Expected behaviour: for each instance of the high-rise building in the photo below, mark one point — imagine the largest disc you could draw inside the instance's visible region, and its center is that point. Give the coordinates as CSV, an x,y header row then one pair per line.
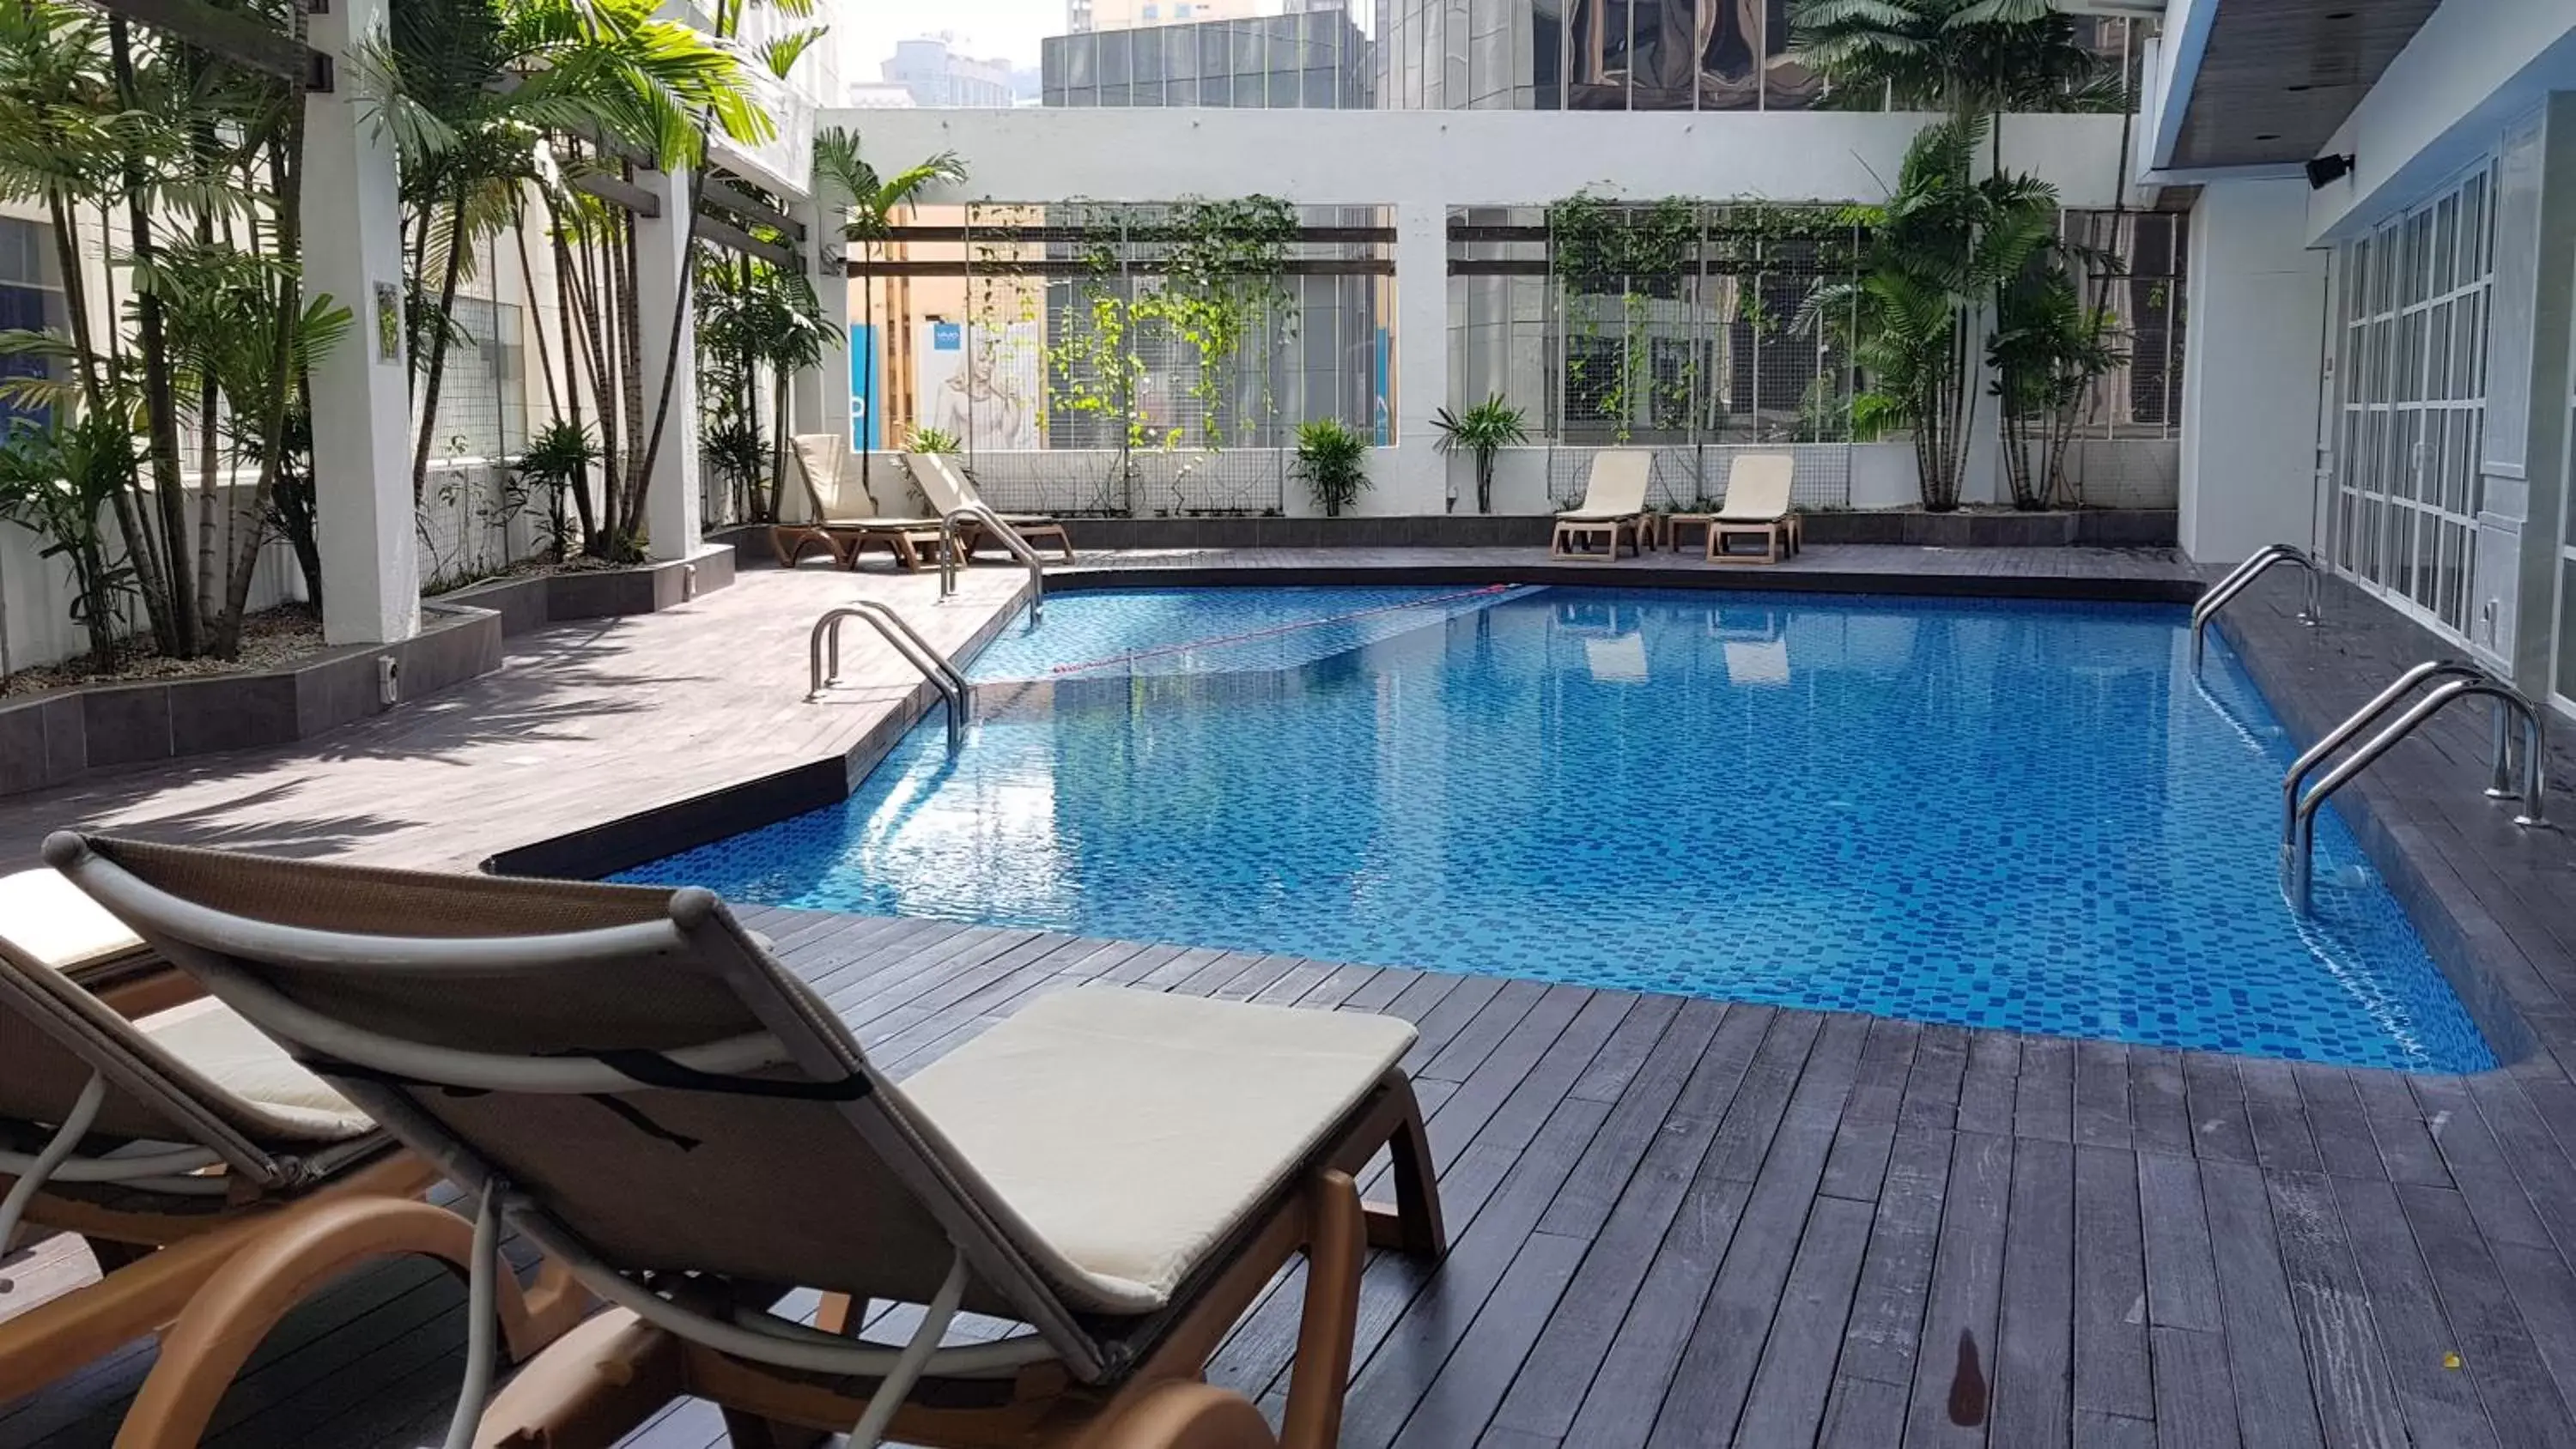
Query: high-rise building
x,y
1081,16
938,74
1305,60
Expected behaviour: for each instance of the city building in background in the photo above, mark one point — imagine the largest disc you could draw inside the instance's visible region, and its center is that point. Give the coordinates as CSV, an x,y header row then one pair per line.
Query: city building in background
x,y
1312,60
1618,55
878,96
1087,15
936,73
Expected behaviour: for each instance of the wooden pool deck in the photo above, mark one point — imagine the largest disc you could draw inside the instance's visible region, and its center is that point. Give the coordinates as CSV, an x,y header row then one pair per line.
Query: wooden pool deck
x,y
1676,1221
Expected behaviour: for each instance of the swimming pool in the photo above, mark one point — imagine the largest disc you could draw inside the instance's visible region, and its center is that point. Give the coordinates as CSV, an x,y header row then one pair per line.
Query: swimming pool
x,y
2001,814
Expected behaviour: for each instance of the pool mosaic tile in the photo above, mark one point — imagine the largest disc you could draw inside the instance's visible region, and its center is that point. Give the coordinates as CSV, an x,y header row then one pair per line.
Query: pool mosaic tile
x,y
2020,815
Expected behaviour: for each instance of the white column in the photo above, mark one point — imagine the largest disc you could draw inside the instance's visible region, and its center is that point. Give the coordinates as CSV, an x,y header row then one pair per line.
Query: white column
x,y
671,501
819,399
2251,370
1412,478
361,399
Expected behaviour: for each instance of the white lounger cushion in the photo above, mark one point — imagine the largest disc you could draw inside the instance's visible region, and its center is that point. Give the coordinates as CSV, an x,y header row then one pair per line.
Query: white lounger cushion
x,y
54,922
231,1053
1133,1130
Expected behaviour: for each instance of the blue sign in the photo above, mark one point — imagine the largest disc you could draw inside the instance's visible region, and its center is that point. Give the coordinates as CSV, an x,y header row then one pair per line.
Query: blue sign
x,y
947,337
867,383
1381,413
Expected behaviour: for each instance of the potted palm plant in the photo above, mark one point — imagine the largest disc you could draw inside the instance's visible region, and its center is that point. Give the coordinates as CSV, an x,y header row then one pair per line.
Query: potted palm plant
x,y
1333,461
1481,432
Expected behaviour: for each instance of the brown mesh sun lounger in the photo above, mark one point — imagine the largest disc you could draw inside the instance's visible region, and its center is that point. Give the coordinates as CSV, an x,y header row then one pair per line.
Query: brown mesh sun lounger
x,y
632,1080
845,518
215,1180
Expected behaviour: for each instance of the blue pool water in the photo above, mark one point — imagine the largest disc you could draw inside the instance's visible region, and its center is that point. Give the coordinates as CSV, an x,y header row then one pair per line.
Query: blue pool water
x,y
2017,815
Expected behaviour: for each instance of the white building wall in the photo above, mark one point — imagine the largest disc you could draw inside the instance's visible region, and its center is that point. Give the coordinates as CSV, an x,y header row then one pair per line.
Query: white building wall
x,y
1460,158
2250,371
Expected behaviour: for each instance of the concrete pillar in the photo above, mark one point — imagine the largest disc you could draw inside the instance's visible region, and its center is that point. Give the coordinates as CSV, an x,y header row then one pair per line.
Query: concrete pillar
x,y
361,401
819,397
1412,477
671,500
2251,371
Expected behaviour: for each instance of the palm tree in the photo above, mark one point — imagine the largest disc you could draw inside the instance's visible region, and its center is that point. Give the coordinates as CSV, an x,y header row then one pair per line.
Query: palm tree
x,y
476,93
1941,244
1965,57
873,200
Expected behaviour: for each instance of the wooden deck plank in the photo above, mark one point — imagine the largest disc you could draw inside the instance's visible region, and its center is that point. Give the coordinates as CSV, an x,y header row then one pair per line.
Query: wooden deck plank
x,y
2356,1399
2111,1373
2195,1398
2159,1119
2493,1344
1896,1273
2216,1100
2274,1404
2182,1280
2044,1100
2034,1362
1954,1372
2102,1094
1717,1369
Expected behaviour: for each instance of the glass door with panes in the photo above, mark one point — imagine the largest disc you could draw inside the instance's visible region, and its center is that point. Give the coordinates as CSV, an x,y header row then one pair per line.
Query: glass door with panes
x,y
2411,362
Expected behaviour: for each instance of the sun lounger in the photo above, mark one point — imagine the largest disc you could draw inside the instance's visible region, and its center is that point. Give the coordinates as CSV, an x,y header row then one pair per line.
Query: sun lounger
x,y
948,489
1756,505
631,1079
845,519
1614,503
215,1180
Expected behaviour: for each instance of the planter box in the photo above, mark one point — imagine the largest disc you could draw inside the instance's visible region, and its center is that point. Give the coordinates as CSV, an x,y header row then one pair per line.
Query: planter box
x,y
1984,528
54,738
57,737
525,604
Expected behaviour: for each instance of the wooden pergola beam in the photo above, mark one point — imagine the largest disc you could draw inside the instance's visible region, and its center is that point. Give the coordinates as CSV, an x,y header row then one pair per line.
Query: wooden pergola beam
x,y
724,194
616,191
710,230
230,36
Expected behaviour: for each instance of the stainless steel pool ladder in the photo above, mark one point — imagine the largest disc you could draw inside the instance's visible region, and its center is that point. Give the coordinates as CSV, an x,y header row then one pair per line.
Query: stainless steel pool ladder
x,y
2240,577
823,654
950,556
2299,811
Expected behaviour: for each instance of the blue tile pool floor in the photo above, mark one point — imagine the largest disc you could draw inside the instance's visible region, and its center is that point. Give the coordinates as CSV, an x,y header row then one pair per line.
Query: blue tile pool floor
x,y
2001,814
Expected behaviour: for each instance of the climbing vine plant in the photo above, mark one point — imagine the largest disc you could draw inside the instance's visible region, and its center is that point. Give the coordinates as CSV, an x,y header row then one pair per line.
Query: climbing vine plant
x,y
1628,276
1203,281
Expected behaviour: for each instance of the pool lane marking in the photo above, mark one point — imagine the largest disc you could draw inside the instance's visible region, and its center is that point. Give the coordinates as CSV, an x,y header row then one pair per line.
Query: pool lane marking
x,y
1222,640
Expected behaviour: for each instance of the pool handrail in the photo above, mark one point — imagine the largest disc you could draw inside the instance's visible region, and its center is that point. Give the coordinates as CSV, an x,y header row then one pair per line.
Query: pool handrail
x,y
950,555
2205,612
2298,859
2363,718
823,658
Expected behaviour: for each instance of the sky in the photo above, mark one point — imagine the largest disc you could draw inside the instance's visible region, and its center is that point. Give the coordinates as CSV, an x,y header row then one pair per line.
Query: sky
x,y
1011,29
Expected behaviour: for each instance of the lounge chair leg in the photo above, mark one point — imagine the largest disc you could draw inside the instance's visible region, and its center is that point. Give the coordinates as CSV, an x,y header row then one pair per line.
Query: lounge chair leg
x,y
1336,1246
244,1299
591,1389
750,1431
1181,1414
1415,1226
